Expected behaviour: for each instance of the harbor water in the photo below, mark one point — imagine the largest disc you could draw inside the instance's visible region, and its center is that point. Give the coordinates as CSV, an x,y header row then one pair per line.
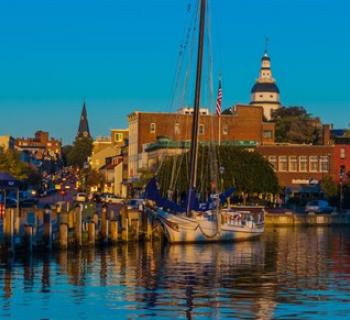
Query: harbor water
x,y
290,273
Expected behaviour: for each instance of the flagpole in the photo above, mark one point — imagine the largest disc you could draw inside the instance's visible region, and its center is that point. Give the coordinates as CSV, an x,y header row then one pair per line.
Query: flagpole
x,y
219,110
219,129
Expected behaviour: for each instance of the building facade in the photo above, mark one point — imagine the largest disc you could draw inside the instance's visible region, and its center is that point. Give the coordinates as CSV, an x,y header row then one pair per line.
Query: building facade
x,y
41,146
244,124
342,158
117,138
298,164
265,92
7,143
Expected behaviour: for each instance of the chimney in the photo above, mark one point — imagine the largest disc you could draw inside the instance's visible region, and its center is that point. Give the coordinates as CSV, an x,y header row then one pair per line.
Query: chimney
x,y
326,134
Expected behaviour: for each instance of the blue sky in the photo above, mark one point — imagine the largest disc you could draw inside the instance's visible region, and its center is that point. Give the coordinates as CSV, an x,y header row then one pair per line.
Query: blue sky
x,y
121,55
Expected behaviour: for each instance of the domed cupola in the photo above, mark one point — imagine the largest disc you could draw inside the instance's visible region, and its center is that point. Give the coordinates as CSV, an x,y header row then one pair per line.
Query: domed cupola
x,y
265,92
265,87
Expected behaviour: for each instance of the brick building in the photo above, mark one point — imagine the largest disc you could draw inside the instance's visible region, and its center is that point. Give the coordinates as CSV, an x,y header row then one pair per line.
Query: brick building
x,y
341,158
117,138
245,124
106,147
41,146
299,164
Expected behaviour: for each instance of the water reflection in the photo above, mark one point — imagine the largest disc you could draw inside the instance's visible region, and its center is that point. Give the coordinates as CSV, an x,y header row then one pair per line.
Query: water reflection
x,y
289,273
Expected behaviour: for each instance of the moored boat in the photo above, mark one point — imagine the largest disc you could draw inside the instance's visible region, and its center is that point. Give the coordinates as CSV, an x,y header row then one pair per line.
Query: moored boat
x,y
191,222
225,225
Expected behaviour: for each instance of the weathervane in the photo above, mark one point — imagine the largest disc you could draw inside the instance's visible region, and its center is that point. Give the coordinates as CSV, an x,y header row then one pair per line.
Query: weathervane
x,y
266,44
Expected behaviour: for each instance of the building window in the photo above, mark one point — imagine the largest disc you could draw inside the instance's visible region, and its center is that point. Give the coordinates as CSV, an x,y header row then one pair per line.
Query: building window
x,y
303,164
261,96
282,164
177,128
293,164
201,129
225,130
273,162
342,171
313,163
342,153
118,137
267,134
324,164
152,127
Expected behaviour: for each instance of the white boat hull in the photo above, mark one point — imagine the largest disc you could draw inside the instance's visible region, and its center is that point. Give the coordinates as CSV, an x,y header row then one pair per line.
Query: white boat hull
x,y
182,229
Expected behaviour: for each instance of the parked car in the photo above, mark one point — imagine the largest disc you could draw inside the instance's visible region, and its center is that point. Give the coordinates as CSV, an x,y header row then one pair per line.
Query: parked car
x,y
51,192
135,204
96,198
26,200
318,206
111,198
10,202
45,193
81,197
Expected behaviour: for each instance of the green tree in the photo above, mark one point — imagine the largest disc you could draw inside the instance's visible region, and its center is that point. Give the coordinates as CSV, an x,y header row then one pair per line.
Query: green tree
x,y
249,172
295,125
11,163
94,178
145,175
65,154
80,152
329,186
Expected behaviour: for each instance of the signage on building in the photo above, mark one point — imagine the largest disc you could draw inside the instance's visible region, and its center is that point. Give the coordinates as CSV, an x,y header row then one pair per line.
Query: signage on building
x,y
305,181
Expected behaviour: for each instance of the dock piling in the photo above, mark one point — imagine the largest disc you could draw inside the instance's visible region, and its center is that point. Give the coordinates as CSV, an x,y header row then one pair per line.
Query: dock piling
x,y
91,233
114,231
28,237
8,227
47,237
78,226
63,236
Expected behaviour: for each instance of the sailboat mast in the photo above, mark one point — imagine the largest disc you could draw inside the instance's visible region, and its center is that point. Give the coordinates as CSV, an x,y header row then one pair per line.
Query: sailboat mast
x,y
195,117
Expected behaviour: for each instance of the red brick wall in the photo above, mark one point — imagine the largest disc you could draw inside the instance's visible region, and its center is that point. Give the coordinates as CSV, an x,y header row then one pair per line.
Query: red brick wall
x,y
245,124
341,158
286,178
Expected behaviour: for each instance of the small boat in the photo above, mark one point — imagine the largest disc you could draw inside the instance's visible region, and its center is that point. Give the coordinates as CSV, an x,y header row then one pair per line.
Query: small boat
x,y
210,223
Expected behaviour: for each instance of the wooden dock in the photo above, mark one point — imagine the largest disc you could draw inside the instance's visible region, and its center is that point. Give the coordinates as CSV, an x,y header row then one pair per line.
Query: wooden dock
x,y
296,219
31,230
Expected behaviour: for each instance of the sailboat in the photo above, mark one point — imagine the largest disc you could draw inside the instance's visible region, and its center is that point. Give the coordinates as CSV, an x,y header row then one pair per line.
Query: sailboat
x,y
191,223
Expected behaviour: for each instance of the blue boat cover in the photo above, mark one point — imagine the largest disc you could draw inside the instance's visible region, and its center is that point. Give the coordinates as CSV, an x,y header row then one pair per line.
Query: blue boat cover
x,y
152,192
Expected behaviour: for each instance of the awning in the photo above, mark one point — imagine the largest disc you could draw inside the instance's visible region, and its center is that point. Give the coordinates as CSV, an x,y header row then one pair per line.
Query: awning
x,y
7,181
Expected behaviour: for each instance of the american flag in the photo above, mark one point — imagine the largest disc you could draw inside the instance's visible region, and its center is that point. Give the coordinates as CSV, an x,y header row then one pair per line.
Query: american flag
x,y
219,100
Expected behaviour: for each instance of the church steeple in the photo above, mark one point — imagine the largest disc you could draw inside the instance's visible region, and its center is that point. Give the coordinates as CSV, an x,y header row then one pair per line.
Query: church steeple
x,y
83,130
